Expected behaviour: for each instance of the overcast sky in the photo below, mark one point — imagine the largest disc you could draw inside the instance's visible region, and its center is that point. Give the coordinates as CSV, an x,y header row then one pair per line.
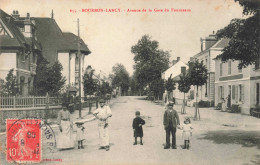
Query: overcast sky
x,y
110,35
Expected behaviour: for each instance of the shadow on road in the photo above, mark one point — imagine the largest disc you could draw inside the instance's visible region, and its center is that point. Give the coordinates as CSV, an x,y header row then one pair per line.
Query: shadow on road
x,y
245,138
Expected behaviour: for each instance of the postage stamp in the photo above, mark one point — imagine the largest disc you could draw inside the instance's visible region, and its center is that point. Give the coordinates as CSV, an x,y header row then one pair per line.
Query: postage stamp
x,y
23,140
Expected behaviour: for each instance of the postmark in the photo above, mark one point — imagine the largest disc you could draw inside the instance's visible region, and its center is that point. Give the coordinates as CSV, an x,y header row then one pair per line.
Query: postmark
x,y
23,140
28,140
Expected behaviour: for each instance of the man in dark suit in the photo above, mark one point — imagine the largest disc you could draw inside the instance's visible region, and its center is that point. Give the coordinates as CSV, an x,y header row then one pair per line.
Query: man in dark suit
x,y
170,122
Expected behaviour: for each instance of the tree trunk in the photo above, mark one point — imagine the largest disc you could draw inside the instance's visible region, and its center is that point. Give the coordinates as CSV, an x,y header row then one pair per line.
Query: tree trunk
x,y
197,113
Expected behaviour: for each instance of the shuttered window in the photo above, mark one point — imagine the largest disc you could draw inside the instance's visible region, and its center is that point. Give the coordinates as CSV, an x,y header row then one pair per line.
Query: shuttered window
x,y
236,93
233,92
221,69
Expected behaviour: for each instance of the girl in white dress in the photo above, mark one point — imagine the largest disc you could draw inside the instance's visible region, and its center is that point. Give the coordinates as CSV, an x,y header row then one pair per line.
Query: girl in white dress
x,y
187,132
80,134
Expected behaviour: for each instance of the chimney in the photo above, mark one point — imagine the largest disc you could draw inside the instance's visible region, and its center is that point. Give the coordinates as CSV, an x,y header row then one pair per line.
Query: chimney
x,y
208,42
178,59
183,70
28,16
16,14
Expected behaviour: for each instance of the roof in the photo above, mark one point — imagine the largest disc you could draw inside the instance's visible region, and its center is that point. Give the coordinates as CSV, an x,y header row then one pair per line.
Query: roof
x,y
18,39
221,44
174,70
54,40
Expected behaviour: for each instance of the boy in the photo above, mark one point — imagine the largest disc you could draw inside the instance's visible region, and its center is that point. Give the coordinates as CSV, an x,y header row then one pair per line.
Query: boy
x,y
137,126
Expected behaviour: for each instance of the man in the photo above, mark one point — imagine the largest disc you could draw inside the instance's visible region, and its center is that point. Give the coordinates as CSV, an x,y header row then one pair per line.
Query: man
x,y
170,122
102,114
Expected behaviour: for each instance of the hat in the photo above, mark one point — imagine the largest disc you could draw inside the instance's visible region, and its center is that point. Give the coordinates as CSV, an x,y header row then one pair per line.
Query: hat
x,y
187,119
102,101
137,113
170,103
79,122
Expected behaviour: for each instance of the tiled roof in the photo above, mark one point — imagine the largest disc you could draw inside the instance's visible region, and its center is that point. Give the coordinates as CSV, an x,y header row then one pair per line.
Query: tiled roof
x,y
222,43
18,39
54,40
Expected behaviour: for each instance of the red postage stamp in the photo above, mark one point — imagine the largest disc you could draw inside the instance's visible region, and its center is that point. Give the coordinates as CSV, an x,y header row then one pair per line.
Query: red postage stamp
x,y
23,140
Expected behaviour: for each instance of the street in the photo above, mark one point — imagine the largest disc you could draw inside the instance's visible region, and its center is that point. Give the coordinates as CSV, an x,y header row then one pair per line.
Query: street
x,y
218,138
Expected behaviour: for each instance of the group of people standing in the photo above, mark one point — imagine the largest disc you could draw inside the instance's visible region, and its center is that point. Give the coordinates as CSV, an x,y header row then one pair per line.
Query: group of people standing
x,y
171,123
65,137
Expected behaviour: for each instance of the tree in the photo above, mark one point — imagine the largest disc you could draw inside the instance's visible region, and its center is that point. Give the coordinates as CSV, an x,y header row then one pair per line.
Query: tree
x,y
150,61
10,86
104,89
184,86
244,36
169,86
120,78
48,78
198,76
157,87
90,85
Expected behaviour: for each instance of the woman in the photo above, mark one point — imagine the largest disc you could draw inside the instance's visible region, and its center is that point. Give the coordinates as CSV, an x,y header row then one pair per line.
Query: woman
x,y
65,124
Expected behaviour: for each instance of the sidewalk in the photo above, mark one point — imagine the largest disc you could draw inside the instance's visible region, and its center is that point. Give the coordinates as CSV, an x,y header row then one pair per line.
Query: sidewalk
x,y
214,119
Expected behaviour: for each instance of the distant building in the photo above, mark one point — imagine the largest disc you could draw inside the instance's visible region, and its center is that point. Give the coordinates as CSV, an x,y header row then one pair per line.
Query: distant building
x,y
242,85
210,48
19,49
178,67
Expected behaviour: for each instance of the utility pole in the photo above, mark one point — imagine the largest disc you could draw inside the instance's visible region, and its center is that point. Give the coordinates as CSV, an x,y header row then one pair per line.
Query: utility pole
x,y
79,56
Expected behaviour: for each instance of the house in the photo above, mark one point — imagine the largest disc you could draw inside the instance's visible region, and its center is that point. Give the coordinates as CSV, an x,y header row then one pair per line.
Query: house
x,y
178,67
65,47
242,85
210,48
19,49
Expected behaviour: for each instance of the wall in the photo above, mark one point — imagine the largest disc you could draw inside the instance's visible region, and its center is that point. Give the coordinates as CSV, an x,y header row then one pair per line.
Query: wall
x,y
7,62
64,59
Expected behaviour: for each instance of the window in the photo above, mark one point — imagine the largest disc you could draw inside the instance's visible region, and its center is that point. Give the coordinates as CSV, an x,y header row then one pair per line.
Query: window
x,y
258,93
221,69
241,93
229,67
206,89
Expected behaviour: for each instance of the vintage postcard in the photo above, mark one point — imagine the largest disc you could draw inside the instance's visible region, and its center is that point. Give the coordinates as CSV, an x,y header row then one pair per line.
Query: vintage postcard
x,y
130,82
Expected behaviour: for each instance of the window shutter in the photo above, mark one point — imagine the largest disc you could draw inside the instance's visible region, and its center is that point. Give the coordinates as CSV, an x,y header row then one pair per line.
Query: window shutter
x,y
242,93
233,92
236,93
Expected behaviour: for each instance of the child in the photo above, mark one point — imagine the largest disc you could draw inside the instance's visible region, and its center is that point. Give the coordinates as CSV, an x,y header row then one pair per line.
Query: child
x,y
80,134
137,126
187,133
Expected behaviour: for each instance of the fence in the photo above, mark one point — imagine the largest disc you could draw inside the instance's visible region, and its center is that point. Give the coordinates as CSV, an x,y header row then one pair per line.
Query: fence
x,y
17,102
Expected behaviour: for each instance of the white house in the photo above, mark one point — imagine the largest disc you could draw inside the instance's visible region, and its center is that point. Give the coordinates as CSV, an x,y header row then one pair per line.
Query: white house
x,y
243,86
175,71
210,48
64,47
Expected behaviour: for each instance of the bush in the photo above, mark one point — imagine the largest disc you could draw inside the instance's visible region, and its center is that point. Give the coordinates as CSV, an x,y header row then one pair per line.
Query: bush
x,y
204,104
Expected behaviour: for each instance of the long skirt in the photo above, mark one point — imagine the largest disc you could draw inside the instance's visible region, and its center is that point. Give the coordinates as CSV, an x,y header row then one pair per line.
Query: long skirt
x,y
103,135
65,138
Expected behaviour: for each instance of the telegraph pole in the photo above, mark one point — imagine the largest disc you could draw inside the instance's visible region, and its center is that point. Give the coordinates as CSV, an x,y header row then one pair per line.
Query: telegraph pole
x,y
79,56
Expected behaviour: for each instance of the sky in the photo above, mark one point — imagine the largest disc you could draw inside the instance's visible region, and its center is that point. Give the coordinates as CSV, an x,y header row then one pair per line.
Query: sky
x,y
110,35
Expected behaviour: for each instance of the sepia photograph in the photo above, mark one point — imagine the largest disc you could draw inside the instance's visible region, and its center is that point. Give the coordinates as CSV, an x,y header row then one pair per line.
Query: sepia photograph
x,y
130,82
